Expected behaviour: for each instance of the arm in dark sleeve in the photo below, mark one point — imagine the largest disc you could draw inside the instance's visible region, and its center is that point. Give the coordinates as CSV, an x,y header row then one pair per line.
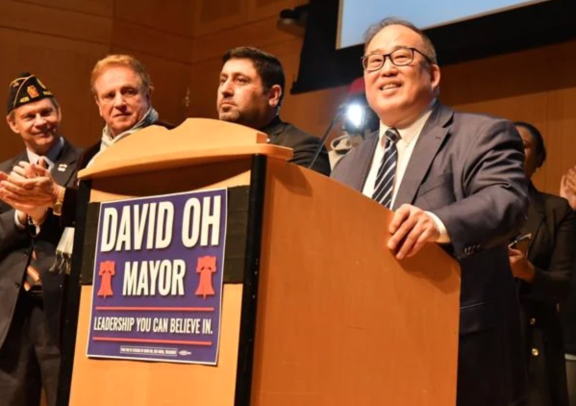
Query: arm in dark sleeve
x,y
495,187
10,235
68,218
553,284
304,152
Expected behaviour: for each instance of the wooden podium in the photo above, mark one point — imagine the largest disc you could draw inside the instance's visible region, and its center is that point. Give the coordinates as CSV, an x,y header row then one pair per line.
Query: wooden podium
x,y
315,311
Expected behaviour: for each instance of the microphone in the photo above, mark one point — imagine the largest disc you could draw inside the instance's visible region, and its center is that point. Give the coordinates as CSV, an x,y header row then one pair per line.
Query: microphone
x,y
356,89
325,136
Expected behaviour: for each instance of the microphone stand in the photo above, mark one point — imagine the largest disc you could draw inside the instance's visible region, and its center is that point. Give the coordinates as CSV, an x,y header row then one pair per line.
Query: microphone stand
x,y
325,136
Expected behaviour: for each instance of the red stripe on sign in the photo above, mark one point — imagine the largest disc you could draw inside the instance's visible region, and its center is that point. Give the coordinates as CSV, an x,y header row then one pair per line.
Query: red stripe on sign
x,y
157,309
152,341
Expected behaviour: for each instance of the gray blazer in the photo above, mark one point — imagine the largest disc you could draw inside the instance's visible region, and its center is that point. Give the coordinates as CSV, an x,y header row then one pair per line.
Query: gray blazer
x,y
468,170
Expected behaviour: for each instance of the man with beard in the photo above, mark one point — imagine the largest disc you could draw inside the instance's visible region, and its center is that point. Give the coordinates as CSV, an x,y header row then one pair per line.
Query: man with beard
x,y
250,93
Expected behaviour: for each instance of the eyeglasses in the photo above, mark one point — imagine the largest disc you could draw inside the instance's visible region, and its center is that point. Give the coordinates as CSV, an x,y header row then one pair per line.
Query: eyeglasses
x,y
399,57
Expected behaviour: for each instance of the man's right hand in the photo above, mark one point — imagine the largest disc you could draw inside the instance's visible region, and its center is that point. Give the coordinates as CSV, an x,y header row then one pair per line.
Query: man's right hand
x,y
32,202
29,185
410,228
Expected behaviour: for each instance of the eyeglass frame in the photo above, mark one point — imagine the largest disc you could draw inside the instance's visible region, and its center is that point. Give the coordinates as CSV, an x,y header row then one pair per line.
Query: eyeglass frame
x,y
389,56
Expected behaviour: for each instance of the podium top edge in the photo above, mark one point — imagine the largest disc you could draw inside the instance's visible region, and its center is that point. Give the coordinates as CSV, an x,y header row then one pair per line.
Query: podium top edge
x,y
196,141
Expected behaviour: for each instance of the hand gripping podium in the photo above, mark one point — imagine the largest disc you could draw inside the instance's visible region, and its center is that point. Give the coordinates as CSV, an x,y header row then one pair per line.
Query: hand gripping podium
x,y
315,310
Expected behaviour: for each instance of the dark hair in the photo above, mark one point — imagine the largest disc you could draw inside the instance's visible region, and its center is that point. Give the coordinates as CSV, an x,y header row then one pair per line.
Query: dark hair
x,y
540,147
267,65
374,29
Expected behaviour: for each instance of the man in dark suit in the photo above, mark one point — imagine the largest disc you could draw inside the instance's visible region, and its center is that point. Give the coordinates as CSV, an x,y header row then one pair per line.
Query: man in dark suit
x,y
250,93
455,179
30,295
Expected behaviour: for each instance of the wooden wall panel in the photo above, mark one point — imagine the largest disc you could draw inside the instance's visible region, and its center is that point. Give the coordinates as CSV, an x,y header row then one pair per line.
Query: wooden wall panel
x,y
103,8
173,16
260,9
259,34
527,72
51,21
212,16
152,42
204,88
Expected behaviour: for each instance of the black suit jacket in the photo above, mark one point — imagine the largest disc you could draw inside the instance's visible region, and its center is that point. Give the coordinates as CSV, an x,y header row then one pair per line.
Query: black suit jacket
x,y
552,224
16,249
303,144
468,170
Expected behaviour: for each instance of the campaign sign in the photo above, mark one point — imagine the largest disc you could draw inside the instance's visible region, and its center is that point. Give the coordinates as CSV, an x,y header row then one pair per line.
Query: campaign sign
x,y
158,278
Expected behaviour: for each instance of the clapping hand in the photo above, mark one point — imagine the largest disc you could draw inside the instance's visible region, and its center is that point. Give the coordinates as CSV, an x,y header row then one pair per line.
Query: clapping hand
x,y
30,189
568,187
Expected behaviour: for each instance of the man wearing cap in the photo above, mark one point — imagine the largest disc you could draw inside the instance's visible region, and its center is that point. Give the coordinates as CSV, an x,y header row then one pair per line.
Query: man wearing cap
x,y
30,295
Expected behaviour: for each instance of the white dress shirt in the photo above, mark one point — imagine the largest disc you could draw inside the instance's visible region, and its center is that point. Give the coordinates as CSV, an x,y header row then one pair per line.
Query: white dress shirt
x,y
50,156
405,146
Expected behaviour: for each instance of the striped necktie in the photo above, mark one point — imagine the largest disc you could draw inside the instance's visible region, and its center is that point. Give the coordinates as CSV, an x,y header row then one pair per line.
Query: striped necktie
x,y
32,276
384,185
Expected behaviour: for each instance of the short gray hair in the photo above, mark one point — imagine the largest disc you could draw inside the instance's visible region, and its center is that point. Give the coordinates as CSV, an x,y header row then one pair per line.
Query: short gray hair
x,y
374,29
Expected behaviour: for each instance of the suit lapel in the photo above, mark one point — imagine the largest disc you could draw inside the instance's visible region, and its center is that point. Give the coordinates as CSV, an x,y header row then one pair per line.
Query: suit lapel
x,y
274,129
64,166
22,157
428,144
364,159
536,218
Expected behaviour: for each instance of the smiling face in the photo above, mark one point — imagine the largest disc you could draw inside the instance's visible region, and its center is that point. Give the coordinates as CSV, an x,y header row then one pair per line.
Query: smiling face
x,y
121,98
399,95
242,97
37,123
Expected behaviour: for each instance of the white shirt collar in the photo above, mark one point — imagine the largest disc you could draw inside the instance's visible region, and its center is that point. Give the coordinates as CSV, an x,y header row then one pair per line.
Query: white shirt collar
x,y
407,134
50,157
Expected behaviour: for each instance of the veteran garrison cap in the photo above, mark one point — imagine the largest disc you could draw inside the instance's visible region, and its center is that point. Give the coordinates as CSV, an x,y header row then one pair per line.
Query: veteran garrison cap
x,y
27,88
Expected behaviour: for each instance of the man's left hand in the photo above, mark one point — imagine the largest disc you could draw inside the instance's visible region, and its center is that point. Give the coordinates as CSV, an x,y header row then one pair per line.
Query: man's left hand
x,y
411,228
521,267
